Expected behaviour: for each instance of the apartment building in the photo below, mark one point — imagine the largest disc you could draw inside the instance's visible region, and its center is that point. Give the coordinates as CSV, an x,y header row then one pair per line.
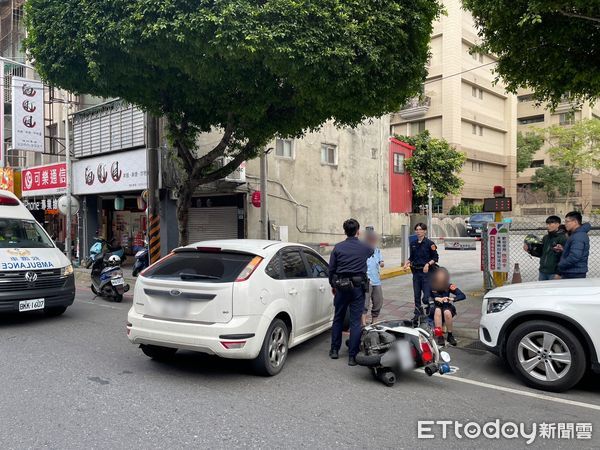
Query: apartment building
x,y
461,104
531,116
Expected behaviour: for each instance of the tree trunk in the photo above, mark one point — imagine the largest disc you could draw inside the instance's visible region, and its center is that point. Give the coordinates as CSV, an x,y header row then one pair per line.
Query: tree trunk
x,y
184,202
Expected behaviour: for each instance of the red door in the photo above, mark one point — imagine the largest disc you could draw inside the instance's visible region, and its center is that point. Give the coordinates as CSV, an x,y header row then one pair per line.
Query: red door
x,y
401,185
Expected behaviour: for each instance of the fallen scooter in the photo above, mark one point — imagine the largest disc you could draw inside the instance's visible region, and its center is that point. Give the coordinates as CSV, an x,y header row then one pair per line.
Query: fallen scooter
x,y
107,278
392,347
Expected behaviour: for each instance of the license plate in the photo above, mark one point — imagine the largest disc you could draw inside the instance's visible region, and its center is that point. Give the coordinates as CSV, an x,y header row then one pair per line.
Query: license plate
x,y
117,281
174,309
31,305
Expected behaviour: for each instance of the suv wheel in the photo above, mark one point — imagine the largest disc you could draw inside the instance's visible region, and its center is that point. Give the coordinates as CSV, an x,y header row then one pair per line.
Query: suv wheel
x,y
157,352
274,350
546,355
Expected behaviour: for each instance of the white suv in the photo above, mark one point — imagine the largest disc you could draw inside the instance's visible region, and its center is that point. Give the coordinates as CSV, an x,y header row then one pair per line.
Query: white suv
x,y
548,332
240,299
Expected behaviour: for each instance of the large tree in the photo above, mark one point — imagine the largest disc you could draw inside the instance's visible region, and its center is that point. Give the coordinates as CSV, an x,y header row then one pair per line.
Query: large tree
x,y
436,162
251,69
574,149
550,46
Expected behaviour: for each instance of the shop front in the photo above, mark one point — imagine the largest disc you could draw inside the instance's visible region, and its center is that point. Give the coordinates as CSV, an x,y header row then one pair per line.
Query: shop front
x,y
41,187
112,190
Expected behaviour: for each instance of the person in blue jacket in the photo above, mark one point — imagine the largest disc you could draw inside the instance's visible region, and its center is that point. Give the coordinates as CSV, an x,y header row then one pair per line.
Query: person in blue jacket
x,y
574,259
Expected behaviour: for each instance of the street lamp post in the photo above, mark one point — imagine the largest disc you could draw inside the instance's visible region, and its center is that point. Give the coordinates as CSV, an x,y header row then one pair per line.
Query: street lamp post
x,y
69,180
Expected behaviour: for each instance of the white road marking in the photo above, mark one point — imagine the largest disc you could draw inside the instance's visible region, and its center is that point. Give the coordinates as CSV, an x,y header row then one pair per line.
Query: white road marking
x,y
523,393
99,304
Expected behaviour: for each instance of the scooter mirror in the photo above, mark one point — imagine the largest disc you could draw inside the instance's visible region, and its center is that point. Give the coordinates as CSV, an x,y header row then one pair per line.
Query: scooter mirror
x,y
445,356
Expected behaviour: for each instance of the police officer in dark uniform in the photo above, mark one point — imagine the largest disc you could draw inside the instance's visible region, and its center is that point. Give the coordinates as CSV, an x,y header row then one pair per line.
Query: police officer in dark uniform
x,y
422,260
348,278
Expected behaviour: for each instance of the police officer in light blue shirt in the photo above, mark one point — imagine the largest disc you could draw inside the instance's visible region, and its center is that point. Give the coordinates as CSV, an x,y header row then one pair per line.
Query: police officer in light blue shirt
x,y
374,298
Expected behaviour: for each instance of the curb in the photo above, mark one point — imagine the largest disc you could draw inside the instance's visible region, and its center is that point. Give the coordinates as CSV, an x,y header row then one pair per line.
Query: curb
x,y
394,272
83,276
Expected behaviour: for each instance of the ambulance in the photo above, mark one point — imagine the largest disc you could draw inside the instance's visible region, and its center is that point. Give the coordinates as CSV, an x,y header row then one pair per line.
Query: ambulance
x,y
34,274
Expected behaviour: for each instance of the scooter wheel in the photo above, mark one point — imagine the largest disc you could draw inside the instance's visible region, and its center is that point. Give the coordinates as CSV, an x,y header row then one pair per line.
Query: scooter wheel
x,y
429,371
135,272
94,290
388,378
118,298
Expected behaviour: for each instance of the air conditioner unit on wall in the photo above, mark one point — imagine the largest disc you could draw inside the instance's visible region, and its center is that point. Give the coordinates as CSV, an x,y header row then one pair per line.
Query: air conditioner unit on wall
x,y
238,175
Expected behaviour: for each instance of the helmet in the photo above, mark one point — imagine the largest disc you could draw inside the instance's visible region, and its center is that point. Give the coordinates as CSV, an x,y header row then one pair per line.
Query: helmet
x,y
532,242
114,260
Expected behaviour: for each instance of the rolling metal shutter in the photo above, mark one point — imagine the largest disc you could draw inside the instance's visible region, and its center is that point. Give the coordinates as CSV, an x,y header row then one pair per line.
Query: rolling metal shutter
x,y
212,223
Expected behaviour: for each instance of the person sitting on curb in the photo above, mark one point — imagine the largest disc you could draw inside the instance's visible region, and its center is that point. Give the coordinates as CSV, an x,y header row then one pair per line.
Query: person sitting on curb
x,y
547,251
443,311
574,260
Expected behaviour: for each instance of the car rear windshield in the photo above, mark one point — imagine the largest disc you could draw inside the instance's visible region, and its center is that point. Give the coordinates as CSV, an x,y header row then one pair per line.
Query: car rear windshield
x,y
198,266
19,233
482,218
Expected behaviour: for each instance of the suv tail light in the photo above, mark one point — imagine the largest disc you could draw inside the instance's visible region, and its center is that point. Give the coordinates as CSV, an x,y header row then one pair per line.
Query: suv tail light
x,y
8,201
249,269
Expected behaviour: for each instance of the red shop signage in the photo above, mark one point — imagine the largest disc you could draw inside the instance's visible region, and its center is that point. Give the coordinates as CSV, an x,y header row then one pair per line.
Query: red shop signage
x,y
44,180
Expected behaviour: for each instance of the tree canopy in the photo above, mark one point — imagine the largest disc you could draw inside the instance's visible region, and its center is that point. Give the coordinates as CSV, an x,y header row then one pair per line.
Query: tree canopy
x,y
553,181
252,69
528,144
550,46
434,162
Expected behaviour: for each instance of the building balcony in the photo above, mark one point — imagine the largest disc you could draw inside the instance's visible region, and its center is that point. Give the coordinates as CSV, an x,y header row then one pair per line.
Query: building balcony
x,y
415,107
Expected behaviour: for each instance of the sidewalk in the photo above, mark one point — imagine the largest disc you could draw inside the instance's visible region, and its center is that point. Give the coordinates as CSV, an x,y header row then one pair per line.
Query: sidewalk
x,y
464,267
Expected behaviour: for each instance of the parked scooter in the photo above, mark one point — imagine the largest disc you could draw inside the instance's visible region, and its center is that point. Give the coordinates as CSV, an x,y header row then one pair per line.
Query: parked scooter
x,y
392,347
105,248
141,260
107,278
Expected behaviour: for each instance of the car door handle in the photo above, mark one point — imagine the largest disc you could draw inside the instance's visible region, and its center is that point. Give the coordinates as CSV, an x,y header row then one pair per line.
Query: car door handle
x,y
293,291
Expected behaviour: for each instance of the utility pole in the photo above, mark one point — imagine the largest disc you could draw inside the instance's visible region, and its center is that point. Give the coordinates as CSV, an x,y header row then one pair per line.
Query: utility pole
x,y
153,174
69,217
264,196
429,209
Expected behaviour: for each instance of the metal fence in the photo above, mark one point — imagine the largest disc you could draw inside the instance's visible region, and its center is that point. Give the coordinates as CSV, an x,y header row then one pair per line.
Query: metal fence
x,y
536,225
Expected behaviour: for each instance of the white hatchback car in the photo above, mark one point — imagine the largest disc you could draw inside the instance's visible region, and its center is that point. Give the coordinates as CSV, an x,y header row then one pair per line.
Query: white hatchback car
x,y
548,332
242,299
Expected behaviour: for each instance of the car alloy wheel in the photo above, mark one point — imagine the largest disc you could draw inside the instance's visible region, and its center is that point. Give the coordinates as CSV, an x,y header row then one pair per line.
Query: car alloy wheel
x,y
544,356
277,347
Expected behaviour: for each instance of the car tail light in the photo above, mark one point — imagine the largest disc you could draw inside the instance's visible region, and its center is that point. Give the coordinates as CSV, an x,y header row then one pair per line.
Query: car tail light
x,y
249,269
426,353
8,201
233,345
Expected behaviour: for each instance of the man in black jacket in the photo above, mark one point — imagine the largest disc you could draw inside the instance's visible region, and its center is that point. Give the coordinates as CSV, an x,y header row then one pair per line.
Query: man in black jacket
x,y
549,251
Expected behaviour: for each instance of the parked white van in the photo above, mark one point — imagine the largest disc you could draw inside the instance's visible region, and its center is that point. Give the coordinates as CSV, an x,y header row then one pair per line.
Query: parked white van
x,y
34,273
